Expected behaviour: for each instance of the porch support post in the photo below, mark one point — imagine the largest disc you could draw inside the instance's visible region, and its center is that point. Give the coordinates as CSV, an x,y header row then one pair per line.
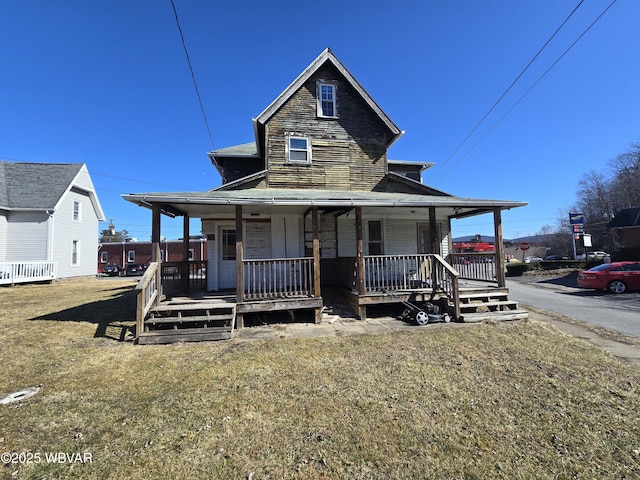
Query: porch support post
x,y
316,260
497,225
239,266
433,232
362,310
185,253
435,245
155,246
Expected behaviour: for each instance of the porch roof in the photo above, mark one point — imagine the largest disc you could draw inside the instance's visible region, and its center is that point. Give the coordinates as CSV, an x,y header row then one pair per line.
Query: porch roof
x,y
195,203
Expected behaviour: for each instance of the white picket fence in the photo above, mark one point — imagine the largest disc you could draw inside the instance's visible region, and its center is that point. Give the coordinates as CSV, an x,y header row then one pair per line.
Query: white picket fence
x,y
23,272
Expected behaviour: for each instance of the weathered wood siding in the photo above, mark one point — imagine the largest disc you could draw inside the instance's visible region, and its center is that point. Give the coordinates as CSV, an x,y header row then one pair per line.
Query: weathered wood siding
x,y
348,153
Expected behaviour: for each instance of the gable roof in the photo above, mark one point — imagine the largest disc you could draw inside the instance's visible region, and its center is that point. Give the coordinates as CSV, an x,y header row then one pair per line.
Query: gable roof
x,y
627,217
327,56
40,186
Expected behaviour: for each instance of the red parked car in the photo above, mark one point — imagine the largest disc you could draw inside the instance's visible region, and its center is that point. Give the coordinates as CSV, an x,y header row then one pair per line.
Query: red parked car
x,y
617,277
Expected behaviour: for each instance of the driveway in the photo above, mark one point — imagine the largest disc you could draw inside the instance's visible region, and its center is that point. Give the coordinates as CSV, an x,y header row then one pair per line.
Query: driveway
x,y
561,295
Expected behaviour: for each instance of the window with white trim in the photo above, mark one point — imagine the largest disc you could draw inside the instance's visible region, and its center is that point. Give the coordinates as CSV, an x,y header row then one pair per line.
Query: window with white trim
x,y
76,211
75,252
131,256
298,150
327,105
104,256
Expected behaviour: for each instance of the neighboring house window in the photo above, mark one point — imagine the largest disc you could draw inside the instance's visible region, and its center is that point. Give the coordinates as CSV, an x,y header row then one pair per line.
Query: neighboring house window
x,y
374,237
131,256
162,255
298,150
327,100
191,254
75,251
104,256
76,211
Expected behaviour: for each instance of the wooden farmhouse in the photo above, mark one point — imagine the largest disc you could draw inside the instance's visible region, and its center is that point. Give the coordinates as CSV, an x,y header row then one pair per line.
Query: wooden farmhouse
x,y
49,216
312,210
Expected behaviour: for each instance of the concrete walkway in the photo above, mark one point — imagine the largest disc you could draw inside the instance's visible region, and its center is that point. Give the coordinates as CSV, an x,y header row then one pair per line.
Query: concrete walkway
x,y
333,325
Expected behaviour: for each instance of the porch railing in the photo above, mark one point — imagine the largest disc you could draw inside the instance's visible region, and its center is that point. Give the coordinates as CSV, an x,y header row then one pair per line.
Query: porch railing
x,y
22,272
147,295
474,266
183,276
278,278
410,272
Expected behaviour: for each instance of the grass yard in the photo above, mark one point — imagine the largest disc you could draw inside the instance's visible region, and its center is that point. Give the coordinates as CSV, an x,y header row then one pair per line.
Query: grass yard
x,y
515,400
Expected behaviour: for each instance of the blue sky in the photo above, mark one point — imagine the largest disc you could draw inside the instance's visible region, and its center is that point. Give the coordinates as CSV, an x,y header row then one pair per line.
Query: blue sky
x,y
107,84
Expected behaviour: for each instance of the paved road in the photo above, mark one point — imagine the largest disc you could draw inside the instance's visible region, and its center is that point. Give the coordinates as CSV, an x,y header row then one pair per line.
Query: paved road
x,y
614,312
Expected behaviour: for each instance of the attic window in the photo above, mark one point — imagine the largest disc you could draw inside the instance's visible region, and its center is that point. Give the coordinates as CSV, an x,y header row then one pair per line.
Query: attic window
x,y
327,106
298,150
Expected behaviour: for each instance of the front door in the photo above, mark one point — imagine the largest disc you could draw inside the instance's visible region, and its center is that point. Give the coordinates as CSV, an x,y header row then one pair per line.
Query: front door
x,y
226,257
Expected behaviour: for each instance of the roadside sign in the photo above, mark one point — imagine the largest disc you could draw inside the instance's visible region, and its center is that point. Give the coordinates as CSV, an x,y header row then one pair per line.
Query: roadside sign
x,y
524,246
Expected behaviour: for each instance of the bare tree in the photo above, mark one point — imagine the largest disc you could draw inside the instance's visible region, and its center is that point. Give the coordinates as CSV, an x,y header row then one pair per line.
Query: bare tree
x,y
625,183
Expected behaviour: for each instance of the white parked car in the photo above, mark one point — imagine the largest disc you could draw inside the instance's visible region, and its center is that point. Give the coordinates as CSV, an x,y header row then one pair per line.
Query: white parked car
x,y
598,255
532,259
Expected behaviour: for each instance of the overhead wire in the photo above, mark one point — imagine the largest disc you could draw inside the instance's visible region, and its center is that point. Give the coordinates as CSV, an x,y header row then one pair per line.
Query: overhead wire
x,y
527,92
522,72
193,77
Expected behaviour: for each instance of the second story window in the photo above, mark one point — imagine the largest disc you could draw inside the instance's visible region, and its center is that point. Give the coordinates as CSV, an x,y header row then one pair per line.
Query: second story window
x,y
327,100
76,211
298,150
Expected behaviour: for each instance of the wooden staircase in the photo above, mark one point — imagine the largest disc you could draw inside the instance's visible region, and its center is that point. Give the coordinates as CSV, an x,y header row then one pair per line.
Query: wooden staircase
x,y
188,321
480,304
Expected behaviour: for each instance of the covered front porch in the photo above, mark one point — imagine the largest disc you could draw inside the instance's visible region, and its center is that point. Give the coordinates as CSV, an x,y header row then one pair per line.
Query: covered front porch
x,y
292,283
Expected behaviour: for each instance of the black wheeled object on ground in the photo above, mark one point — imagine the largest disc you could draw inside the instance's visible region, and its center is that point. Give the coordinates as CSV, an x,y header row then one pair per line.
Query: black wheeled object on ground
x,y
424,311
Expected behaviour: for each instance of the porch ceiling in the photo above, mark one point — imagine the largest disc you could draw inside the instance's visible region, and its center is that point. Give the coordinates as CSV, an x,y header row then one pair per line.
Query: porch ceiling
x,y
263,201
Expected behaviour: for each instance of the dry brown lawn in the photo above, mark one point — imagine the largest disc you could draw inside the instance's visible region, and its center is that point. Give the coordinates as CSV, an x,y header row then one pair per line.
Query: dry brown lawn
x,y
513,400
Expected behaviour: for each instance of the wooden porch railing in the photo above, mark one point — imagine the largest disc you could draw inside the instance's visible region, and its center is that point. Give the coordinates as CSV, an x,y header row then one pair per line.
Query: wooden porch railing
x,y
474,266
22,272
147,296
278,278
183,276
409,272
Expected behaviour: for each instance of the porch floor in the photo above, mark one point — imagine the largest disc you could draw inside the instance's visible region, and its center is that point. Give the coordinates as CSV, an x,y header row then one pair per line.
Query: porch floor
x,y
479,301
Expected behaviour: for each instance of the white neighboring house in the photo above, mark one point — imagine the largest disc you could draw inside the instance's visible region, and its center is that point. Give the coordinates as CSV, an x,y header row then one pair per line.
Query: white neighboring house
x,y
49,216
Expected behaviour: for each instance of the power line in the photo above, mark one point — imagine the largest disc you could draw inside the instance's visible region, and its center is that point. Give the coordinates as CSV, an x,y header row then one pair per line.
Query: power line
x,y
464,140
193,77
528,91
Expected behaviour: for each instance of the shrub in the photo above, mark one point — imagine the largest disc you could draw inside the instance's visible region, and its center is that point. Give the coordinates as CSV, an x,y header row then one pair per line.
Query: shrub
x,y
517,269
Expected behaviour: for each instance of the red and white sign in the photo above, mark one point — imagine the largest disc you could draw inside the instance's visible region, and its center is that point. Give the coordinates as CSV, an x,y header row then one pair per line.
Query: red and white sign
x,y
524,246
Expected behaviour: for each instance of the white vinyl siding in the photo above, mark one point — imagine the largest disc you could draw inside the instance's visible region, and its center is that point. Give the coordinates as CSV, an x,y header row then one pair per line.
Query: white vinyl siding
x,y
399,234
27,234
3,236
66,230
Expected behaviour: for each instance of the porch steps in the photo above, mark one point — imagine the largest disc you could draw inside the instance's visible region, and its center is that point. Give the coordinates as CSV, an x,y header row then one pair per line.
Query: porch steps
x,y
188,321
478,304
